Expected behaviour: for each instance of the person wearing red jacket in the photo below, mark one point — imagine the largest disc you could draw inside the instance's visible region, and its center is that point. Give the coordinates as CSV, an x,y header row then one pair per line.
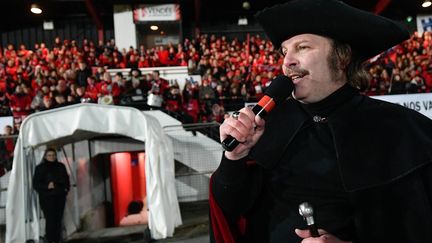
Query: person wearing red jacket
x,y
20,103
92,91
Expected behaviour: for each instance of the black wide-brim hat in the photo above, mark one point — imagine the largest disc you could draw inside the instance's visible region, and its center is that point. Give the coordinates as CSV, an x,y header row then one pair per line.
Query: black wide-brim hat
x,y
367,34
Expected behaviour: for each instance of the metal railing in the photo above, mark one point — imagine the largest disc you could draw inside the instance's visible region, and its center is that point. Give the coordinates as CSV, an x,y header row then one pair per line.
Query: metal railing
x,y
197,153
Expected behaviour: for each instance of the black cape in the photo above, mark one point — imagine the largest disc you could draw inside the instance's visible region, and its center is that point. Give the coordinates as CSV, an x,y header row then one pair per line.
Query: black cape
x,y
382,140
384,154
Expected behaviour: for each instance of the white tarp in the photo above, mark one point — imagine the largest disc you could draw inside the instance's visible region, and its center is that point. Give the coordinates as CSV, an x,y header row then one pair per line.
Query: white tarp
x,y
80,122
194,150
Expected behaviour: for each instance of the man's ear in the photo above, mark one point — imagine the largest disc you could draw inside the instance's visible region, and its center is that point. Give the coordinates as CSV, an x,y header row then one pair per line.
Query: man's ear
x,y
344,61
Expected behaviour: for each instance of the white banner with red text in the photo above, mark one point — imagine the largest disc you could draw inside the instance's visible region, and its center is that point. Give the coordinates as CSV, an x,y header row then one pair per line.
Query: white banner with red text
x,y
164,12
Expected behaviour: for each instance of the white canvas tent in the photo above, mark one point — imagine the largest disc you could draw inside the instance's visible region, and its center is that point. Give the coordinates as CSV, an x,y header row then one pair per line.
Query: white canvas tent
x,y
81,122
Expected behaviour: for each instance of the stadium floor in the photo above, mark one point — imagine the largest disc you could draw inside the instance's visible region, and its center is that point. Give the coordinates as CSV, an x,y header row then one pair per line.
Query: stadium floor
x,y
193,230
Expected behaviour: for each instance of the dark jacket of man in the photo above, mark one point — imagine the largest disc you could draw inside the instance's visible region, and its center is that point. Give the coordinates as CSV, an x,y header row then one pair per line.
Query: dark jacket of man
x,y
384,165
82,75
46,172
52,201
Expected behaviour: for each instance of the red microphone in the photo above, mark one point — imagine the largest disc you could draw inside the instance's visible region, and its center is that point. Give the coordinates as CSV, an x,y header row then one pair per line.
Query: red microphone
x,y
279,89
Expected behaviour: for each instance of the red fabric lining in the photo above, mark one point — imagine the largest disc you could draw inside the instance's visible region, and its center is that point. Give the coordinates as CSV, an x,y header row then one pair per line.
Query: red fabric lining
x,y
221,230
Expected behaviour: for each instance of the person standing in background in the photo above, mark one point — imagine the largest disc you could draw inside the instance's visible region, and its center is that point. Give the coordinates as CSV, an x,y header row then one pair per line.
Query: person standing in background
x,y
51,181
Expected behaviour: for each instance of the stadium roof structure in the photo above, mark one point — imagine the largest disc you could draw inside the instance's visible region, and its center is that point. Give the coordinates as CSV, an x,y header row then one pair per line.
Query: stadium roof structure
x,y
16,14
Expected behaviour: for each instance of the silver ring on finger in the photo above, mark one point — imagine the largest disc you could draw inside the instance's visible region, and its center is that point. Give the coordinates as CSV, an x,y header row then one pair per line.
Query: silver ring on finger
x,y
235,115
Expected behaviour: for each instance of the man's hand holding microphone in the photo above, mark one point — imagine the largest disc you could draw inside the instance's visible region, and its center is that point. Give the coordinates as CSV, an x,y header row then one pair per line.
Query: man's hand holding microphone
x,y
241,131
246,128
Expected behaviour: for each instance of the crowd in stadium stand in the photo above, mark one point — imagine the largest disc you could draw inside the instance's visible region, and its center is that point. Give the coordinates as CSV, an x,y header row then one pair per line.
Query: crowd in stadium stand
x,y
232,71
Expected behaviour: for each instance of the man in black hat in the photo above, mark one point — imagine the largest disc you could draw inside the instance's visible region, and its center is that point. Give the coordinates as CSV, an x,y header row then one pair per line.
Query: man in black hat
x,y
364,165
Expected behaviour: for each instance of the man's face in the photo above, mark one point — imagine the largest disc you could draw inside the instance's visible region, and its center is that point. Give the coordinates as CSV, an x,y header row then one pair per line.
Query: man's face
x,y
50,156
306,62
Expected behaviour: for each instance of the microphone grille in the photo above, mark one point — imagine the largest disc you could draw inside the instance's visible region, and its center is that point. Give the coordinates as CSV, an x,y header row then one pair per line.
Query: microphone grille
x,y
280,88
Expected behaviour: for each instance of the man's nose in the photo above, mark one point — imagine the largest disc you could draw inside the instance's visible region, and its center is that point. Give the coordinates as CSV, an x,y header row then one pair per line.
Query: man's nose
x,y
290,61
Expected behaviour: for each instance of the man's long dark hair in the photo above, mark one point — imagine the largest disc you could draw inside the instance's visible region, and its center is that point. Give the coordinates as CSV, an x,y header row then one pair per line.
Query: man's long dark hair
x,y
343,57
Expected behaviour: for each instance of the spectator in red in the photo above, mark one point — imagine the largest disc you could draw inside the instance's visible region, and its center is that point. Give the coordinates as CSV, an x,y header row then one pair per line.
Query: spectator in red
x,y
159,85
48,103
173,99
143,62
91,91
107,87
130,52
11,68
154,59
172,57
105,59
28,91
10,51
163,54
118,62
44,51
20,103
91,59
3,84
181,56
23,52
38,79
191,105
